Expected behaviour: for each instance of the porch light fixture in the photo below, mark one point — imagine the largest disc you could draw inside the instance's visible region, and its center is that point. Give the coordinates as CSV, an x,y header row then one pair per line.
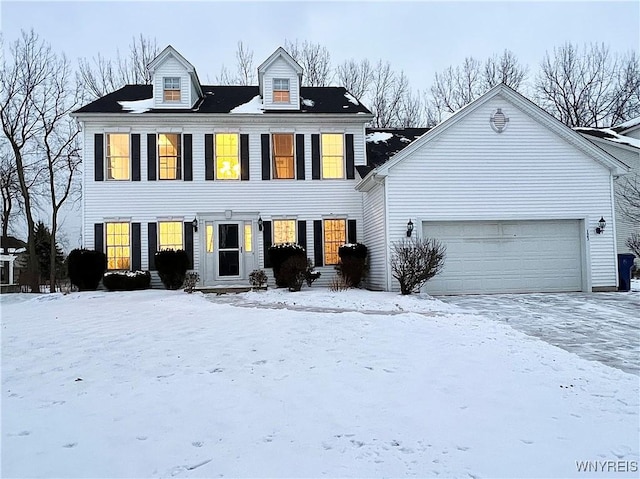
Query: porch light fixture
x,y
601,224
194,223
260,222
409,228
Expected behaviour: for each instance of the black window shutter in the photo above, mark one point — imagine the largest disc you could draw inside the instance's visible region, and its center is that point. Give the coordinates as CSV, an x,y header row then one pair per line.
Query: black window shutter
x,y
151,157
98,156
350,156
318,259
244,157
188,157
152,236
208,156
135,157
302,233
179,159
136,256
315,157
351,231
266,156
188,241
266,237
98,237
300,157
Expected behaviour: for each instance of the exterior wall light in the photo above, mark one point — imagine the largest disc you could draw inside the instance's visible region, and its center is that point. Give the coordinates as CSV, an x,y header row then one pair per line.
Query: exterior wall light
x,y
194,223
260,222
409,228
601,224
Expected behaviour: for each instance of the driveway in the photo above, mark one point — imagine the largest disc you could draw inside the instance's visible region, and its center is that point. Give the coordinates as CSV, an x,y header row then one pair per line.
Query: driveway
x,y
601,327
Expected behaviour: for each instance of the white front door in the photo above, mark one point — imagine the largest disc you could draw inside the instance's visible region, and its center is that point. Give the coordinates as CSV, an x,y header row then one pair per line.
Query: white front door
x,y
228,241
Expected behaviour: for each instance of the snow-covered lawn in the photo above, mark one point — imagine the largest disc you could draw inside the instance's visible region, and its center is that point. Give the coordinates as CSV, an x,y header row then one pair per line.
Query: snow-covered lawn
x,y
161,384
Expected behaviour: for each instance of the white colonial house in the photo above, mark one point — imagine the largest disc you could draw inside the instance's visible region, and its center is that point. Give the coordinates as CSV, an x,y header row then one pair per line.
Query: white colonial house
x,y
226,171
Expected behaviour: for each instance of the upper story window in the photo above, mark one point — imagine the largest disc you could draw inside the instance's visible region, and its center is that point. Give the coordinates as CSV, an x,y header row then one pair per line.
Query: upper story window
x,y
227,158
118,246
283,165
332,155
335,235
281,90
284,231
171,89
169,160
170,235
118,156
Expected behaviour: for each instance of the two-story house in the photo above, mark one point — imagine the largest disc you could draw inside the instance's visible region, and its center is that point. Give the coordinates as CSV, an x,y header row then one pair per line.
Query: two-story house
x,y
222,171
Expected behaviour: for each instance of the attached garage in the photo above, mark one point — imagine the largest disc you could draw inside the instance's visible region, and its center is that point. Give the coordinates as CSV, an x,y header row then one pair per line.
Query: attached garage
x,y
508,256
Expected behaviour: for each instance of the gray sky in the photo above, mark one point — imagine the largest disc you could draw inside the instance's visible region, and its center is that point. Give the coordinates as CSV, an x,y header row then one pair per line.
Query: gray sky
x,y
418,37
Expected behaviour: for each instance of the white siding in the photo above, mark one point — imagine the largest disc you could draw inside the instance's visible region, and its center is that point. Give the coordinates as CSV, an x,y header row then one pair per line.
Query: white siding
x,y
375,237
172,68
281,69
527,172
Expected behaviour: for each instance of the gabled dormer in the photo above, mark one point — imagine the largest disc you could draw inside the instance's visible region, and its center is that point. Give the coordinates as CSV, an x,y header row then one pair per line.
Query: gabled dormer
x,y
175,81
279,78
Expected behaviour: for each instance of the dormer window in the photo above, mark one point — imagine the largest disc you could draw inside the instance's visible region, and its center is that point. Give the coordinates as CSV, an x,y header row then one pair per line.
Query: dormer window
x,y
171,91
281,90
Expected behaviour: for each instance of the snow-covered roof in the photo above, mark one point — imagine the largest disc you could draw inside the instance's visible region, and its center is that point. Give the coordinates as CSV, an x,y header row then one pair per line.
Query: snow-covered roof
x,y
627,125
137,106
253,106
610,135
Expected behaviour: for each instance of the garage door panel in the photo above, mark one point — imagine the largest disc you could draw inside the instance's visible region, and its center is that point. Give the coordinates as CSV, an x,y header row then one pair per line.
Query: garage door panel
x,y
508,256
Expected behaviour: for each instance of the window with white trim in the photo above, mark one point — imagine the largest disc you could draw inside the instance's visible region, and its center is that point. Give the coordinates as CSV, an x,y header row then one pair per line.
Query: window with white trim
x,y
170,235
283,159
227,157
332,155
171,89
118,241
281,91
118,159
284,231
169,156
335,235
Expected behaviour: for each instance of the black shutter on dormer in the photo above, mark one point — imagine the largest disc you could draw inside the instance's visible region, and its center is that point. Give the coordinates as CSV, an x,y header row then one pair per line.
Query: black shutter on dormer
x,y
98,157
152,237
266,156
244,157
135,157
98,237
136,250
349,156
300,157
315,157
266,241
351,231
188,241
208,157
302,234
151,157
317,243
188,157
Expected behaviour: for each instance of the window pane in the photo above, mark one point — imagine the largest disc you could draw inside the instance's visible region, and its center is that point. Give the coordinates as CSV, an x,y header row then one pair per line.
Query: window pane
x,y
118,156
335,235
283,156
248,237
170,235
228,236
171,89
332,155
227,161
118,246
284,231
209,238
169,156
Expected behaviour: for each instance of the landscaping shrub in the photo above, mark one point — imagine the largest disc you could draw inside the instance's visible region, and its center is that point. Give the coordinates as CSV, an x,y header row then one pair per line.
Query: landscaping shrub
x,y
279,254
172,266
294,271
190,281
86,268
353,263
126,280
311,274
257,278
416,261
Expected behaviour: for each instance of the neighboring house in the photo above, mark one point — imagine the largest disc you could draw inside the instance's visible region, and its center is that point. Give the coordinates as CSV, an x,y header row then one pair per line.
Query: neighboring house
x,y
222,171
514,194
623,142
13,259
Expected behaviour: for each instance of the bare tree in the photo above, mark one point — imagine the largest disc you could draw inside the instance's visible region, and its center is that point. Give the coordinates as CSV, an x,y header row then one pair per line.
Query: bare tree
x,y
315,61
355,76
503,69
588,87
628,195
388,90
245,73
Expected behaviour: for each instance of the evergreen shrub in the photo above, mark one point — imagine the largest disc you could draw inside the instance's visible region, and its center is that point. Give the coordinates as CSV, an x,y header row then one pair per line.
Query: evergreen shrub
x,y
86,268
172,266
353,263
126,280
279,254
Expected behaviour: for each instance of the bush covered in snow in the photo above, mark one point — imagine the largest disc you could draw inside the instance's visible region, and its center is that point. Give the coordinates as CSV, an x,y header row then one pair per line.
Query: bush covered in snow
x,y
279,254
172,266
126,280
416,261
353,263
190,281
86,268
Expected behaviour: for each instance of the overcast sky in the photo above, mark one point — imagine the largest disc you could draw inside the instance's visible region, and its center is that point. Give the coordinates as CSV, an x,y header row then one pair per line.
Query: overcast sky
x,y
419,38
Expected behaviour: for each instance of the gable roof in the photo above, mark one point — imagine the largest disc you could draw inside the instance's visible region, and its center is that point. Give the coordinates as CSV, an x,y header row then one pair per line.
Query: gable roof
x,y
383,143
223,99
279,53
526,106
168,52
627,126
611,136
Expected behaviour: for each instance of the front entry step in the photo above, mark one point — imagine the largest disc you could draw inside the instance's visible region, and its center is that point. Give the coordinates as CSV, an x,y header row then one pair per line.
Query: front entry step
x,y
228,289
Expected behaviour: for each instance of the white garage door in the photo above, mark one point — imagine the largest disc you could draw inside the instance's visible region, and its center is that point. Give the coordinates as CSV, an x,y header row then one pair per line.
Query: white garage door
x,y
507,256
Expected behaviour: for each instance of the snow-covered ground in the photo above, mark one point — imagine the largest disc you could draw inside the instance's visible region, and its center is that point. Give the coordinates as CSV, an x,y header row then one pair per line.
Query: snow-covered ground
x,y
310,384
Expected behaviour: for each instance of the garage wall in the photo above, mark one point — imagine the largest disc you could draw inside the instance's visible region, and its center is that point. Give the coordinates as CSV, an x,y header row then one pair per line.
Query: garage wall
x,y
375,237
527,172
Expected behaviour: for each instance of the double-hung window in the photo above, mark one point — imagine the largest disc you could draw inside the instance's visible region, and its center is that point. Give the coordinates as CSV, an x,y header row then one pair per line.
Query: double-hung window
x,y
335,235
118,156
118,246
169,156
281,92
332,155
284,231
171,89
227,157
283,163
170,235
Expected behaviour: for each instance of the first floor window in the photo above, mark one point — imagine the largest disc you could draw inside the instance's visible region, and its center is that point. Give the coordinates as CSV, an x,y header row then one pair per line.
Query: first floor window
x,y
227,158
283,155
118,246
284,231
171,90
332,155
170,235
169,156
335,235
118,156
281,90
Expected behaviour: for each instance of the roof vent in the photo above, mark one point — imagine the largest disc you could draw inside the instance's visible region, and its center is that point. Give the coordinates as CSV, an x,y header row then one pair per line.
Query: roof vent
x,y
499,121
